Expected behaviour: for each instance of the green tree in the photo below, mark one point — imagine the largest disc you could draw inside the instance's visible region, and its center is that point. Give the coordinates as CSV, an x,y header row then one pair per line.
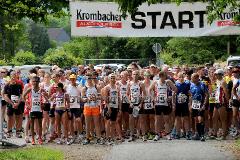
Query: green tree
x,y
37,10
39,39
61,58
24,58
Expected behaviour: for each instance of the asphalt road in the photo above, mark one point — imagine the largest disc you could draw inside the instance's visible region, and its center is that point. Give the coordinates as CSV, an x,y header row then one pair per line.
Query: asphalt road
x,y
170,150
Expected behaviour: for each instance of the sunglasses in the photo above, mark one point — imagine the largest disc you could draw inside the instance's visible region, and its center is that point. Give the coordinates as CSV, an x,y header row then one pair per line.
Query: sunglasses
x,y
3,72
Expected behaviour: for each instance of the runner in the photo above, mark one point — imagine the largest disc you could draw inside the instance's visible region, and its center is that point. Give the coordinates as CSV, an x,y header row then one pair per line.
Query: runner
x,y
198,101
61,105
148,109
27,108
235,102
135,90
2,85
36,95
46,85
113,107
221,99
123,86
161,89
74,93
181,110
12,95
91,108
212,86
55,80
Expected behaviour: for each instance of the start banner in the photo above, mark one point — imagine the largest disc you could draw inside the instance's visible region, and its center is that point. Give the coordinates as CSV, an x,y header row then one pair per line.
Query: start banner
x,y
101,19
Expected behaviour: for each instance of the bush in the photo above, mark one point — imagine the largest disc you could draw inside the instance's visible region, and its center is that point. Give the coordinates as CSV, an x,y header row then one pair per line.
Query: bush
x,y
61,58
3,63
23,58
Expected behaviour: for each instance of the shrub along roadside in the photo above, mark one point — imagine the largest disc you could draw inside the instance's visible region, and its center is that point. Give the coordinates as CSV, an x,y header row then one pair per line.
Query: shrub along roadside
x,y
36,153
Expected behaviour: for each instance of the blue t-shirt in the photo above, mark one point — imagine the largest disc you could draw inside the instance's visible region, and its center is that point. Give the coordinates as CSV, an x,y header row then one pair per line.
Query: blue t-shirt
x,y
81,80
182,94
198,91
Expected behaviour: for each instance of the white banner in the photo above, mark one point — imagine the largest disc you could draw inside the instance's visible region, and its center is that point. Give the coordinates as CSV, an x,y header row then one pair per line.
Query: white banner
x,y
100,19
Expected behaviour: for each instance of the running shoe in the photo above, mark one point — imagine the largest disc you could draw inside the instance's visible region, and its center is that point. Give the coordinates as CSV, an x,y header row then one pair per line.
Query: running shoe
x,y
40,141
18,135
33,142
86,141
131,138
221,138
144,138
151,137
27,140
202,138
156,138
189,135
60,141
196,137
100,141
70,141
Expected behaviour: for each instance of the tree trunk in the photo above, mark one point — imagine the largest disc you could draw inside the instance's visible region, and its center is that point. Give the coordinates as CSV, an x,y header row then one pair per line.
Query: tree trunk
x,y
3,33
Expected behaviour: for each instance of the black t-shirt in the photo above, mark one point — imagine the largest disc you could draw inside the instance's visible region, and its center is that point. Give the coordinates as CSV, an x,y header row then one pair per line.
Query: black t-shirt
x,y
13,89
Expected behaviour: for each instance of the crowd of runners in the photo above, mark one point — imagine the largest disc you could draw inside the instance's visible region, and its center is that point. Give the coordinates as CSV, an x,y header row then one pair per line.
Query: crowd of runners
x,y
84,105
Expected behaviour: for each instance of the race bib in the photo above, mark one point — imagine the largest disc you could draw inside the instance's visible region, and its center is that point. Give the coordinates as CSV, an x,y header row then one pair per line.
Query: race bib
x,y
36,104
212,98
196,104
14,99
135,100
74,99
181,98
59,103
124,99
162,99
230,105
113,102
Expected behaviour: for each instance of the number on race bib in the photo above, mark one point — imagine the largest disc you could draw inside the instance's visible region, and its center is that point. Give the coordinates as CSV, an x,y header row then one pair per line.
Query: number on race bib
x,y
230,105
15,99
36,104
113,100
161,98
124,99
134,100
72,99
196,105
147,105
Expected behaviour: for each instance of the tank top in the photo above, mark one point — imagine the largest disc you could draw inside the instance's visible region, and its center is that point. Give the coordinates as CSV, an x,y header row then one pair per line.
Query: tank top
x,y
2,85
74,96
36,100
236,82
219,94
148,99
161,94
212,92
135,94
113,98
91,92
47,90
123,92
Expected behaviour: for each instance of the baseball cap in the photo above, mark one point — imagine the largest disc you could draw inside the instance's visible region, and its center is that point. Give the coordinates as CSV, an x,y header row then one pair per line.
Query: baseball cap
x,y
72,76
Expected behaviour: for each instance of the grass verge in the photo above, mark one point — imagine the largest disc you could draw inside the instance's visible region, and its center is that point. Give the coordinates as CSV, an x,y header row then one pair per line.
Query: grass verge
x,y
238,144
33,153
